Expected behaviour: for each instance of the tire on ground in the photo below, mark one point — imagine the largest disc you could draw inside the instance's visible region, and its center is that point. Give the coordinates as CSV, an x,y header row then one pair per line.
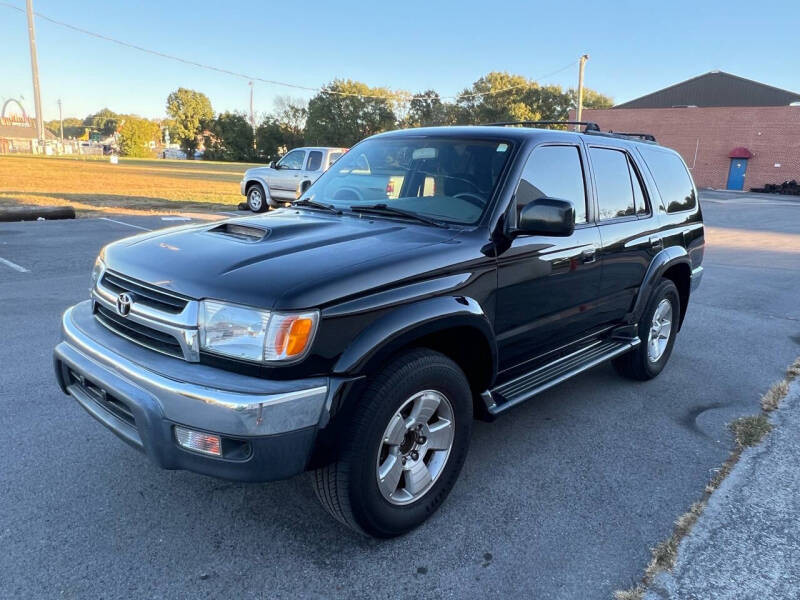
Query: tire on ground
x,y
348,487
257,199
637,364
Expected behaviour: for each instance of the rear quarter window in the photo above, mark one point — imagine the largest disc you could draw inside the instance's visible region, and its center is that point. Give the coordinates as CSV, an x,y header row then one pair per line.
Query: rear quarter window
x,y
672,179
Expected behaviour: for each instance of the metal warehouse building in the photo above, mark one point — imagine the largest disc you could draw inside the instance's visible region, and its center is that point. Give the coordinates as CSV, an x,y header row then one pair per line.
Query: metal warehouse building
x,y
732,132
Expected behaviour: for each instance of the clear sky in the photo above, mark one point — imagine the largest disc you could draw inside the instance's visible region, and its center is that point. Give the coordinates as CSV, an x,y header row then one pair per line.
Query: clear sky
x,y
635,47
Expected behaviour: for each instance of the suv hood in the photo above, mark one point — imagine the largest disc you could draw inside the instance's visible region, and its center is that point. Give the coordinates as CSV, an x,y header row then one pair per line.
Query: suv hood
x,y
285,259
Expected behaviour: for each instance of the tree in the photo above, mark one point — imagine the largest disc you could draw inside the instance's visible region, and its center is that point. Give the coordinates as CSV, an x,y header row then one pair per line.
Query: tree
x,y
274,138
229,137
426,109
497,97
105,121
283,130
72,127
338,119
592,99
292,113
135,135
190,109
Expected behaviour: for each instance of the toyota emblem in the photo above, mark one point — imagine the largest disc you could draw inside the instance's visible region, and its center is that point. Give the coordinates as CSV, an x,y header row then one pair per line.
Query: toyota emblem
x,y
124,302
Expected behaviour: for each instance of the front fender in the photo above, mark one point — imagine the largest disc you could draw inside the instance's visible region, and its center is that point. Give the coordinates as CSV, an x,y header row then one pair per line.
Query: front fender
x,y
662,261
264,184
409,322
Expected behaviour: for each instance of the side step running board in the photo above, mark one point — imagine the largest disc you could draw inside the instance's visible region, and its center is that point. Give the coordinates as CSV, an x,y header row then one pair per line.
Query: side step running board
x,y
528,385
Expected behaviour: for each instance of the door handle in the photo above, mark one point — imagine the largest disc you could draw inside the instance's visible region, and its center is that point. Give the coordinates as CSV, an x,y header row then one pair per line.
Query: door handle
x,y
589,255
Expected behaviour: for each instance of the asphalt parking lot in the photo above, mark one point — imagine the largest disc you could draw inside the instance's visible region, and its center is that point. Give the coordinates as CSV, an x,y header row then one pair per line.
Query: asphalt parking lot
x,y
562,498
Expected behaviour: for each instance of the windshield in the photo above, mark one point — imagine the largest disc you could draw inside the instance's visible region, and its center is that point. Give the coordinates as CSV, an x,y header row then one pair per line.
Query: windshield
x,y
446,179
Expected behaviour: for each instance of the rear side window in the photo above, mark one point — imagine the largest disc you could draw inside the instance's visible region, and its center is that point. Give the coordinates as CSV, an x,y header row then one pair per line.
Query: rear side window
x,y
672,179
613,179
334,156
314,160
554,172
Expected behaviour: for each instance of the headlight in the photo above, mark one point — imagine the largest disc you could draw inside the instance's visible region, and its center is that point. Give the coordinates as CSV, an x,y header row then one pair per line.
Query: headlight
x,y
255,335
97,272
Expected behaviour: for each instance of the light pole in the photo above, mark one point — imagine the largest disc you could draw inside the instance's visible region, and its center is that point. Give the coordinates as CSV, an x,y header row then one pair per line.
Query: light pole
x,y
37,100
583,60
61,121
252,116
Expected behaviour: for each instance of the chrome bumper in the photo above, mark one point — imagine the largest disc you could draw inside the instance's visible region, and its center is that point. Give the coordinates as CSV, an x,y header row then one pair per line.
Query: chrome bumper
x,y
270,425
190,394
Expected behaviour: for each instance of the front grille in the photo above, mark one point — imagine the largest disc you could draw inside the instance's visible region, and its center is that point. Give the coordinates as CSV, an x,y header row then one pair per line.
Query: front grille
x,y
136,332
144,294
102,398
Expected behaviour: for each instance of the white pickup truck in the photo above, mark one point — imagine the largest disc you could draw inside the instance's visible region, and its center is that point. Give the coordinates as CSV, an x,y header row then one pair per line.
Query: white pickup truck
x,y
288,178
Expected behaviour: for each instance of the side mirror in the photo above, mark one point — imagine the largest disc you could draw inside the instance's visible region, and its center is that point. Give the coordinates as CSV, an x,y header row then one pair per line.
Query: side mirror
x,y
273,165
547,216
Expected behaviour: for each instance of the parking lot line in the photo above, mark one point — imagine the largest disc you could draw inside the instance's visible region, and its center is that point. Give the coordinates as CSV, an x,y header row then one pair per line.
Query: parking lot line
x,y
14,266
124,223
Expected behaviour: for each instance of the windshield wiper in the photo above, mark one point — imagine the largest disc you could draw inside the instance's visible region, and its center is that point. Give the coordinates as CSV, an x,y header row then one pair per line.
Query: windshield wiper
x,y
314,204
385,209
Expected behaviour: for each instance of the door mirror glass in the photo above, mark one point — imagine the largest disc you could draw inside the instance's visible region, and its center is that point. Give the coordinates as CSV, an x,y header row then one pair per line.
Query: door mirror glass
x,y
272,165
547,216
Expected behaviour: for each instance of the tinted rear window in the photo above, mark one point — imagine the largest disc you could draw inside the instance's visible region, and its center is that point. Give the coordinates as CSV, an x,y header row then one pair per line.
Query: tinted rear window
x,y
314,160
613,180
672,179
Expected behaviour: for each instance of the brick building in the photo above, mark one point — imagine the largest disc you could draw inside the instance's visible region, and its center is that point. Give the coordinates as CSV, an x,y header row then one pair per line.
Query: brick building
x,y
732,132
18,134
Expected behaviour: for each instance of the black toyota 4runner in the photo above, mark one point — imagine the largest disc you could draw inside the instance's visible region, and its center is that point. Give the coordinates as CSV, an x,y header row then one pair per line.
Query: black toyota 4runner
x,y
430,277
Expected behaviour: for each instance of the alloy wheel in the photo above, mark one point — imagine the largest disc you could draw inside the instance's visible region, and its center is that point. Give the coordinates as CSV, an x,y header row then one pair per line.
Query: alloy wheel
x,y
255,198
660,330
415,447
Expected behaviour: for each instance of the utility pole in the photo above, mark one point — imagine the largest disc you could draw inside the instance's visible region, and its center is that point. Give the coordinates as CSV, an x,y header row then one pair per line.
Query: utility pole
x,y
252,116
583,60
61,121
37,100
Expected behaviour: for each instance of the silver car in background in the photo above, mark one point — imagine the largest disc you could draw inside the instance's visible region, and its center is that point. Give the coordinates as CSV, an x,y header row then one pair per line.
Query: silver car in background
x,y
285,180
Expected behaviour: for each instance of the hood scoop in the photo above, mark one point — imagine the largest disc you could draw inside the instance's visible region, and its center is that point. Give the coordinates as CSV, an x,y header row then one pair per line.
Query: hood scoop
x,y
243,233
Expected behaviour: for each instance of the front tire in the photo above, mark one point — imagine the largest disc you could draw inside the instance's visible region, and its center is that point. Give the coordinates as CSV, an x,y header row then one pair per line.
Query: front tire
x,y
657,330
404,448
257,199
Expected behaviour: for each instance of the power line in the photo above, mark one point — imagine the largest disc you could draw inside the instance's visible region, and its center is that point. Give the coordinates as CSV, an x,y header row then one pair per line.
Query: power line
x,y
397,96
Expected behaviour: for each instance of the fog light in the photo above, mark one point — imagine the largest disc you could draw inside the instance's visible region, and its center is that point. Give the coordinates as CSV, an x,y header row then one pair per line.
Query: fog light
x,y
207,443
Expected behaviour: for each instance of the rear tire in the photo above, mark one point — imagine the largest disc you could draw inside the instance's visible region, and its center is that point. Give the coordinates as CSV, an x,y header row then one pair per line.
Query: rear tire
x,y
404,448
657,330
257,199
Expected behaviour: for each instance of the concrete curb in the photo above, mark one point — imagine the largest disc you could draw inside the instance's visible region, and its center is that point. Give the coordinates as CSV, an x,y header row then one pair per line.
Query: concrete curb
x,y
746,544
33,213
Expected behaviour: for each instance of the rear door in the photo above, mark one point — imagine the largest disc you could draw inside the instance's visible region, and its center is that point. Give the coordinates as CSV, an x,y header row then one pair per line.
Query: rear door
x,y
313,166
547,285
628,228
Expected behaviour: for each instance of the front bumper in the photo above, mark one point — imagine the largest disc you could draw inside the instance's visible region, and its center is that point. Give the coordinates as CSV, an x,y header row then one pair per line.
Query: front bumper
x,y
268,428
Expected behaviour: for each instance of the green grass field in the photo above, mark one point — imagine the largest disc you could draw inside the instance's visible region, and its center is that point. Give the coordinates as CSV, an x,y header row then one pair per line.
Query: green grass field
x,y
94,185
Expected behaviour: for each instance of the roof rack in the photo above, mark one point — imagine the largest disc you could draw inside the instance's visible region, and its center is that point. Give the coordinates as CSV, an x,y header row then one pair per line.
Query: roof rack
x,y
648,137
589,125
